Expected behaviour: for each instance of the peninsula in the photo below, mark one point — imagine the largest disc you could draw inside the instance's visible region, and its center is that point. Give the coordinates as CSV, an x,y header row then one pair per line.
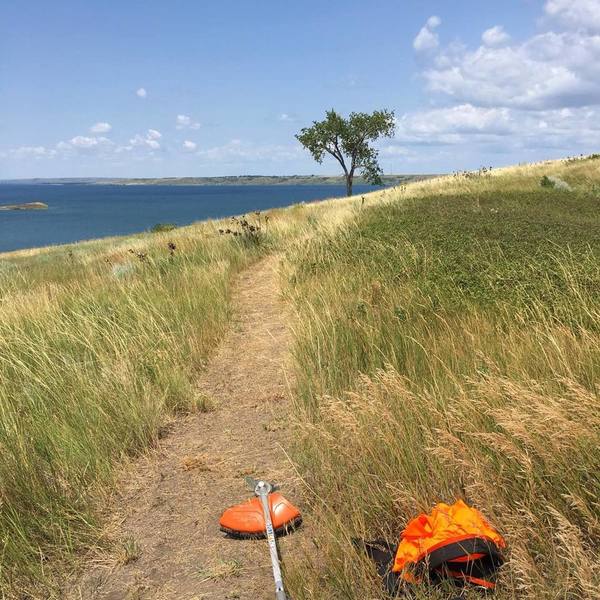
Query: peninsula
x,y
24,206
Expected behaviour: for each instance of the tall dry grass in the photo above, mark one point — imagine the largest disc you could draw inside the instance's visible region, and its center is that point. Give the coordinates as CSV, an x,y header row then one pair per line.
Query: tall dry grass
x,y
91,363
448,347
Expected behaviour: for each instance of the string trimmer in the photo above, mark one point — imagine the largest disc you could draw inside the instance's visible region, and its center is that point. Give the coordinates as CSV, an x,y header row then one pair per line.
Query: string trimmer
x,y
267,515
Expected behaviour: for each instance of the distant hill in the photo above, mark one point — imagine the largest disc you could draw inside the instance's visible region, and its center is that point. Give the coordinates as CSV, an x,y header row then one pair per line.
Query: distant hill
x,y
388,180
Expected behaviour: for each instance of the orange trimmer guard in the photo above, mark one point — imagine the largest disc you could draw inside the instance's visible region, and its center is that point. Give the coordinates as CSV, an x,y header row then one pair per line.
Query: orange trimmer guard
x,y
246,520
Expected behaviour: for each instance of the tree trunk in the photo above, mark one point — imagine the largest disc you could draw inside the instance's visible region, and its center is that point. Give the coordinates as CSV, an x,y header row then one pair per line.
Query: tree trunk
x,y
349,179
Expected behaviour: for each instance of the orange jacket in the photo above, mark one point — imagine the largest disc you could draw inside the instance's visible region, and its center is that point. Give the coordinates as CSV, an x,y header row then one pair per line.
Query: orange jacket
x,y
451,538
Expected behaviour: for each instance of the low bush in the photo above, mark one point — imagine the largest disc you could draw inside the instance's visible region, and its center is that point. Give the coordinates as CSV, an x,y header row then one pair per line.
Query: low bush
x,y
162,227
248,231
555,183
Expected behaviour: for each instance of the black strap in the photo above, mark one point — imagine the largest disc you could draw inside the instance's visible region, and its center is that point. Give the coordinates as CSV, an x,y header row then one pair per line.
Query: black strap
x,y
455,550
481,568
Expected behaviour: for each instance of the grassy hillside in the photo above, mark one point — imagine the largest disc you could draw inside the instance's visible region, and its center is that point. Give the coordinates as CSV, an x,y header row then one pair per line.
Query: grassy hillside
x,y
447,346
450,348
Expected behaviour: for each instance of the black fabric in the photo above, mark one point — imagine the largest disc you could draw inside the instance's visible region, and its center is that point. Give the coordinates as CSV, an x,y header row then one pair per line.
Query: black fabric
x,y
382,553
481,568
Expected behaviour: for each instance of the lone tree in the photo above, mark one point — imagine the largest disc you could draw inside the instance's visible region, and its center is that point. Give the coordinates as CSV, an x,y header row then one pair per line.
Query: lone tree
x,y
348,141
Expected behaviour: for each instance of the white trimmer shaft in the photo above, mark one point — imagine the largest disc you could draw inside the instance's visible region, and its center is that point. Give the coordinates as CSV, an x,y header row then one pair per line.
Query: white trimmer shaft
x,y
262,489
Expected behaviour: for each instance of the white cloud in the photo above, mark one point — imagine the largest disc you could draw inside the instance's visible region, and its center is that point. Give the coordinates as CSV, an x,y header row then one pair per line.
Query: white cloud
x,y
507,128
495,36
149,140
448,125
578,14
82,141
183,121
286,117
28,152
83,145
97,146
101,127
186,122
549,70
427,39
141,92
189,146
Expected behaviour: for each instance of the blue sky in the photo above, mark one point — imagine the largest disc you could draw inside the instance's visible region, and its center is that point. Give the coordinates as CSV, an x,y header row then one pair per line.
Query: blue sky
x,y
219,88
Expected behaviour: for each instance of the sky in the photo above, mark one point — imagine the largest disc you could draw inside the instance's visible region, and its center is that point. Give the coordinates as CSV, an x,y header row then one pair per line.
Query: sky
x,y
152,88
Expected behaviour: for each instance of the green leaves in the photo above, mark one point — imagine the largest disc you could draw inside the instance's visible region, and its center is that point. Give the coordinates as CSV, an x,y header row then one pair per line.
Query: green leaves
x,y
349,141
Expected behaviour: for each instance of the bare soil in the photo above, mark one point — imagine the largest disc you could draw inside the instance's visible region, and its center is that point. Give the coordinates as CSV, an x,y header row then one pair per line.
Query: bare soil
x,y
167,510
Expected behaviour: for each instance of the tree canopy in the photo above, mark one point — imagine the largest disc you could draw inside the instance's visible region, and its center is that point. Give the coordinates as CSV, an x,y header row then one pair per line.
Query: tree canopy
x,y
349,142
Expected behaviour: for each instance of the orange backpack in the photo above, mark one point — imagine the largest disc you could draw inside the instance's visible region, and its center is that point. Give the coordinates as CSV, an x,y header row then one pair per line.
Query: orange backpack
x,y
453,541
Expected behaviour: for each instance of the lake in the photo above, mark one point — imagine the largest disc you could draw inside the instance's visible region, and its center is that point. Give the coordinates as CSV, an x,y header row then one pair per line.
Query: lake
x,y
81,212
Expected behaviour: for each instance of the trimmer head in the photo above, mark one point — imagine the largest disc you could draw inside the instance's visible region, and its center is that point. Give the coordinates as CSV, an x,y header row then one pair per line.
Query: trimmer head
x,y
266,515
246,520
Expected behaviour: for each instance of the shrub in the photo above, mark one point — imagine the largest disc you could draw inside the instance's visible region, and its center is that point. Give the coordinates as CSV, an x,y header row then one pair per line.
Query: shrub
x,y
162,227
556,183
249,232
560,184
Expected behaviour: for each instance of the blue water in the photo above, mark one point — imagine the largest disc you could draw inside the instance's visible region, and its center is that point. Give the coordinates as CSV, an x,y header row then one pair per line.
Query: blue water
x,y
80,212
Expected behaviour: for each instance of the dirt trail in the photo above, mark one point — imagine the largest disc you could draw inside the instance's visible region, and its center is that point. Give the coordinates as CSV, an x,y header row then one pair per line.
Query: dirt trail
x,y
173,498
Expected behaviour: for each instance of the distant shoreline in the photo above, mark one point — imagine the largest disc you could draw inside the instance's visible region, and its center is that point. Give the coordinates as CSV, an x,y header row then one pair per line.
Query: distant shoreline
x,y
388,180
